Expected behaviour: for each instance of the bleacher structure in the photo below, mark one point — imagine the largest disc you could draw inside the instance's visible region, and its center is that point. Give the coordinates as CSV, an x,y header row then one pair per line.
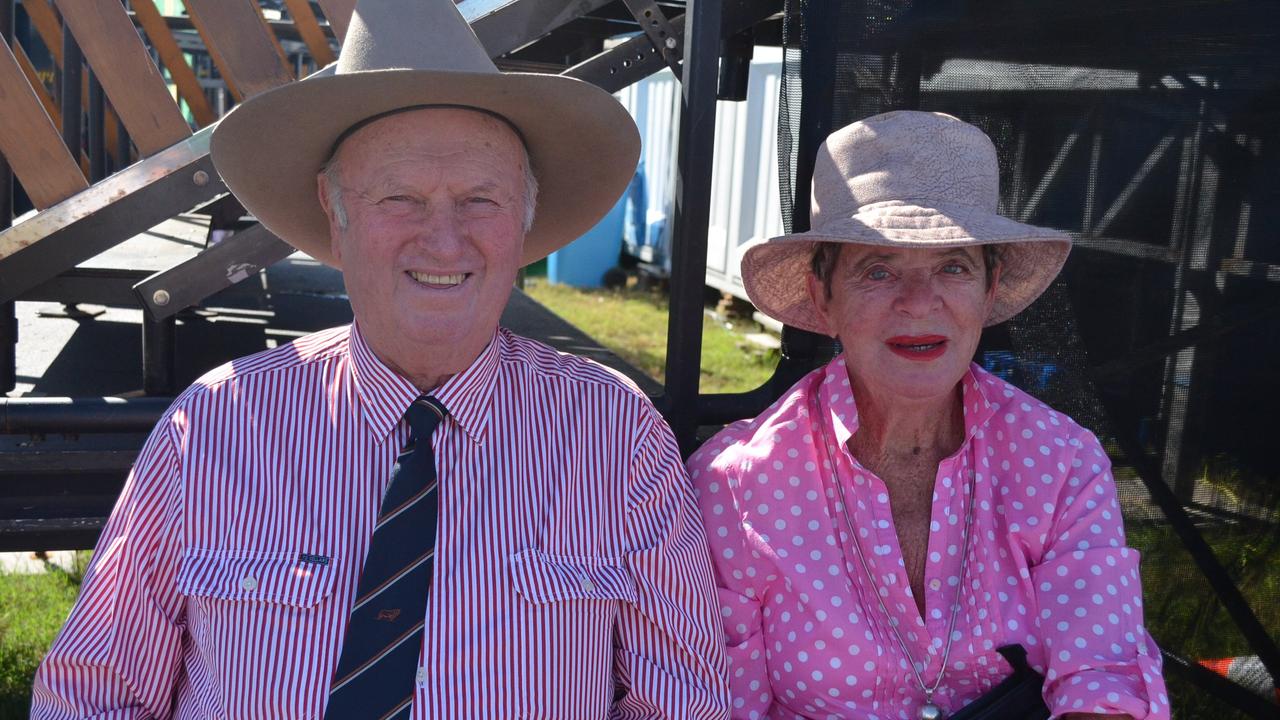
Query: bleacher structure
x,y
1148,130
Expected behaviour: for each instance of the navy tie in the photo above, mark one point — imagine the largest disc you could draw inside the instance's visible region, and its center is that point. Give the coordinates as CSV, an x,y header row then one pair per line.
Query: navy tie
x,y
376,674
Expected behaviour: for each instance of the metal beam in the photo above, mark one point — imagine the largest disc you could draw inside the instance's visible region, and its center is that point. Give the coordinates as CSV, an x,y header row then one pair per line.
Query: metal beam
x,y
128,203
97,286
238,257
692,214
75,415
664,36
625,64
506,25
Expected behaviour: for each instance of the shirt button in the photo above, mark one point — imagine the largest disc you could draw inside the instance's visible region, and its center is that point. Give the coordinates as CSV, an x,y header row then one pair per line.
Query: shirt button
x,y
421,676
934,584
585,583
249,583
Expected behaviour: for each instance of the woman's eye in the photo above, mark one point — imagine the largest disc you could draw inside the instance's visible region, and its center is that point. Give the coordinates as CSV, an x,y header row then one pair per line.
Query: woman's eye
x,y
480,200
397,199
954,269
878,274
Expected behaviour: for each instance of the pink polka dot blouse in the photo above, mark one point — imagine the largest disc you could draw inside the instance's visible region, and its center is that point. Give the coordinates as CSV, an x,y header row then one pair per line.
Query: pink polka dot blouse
x,y
1048,565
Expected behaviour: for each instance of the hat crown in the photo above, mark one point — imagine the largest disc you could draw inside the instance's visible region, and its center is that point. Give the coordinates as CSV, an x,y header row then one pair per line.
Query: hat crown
x,y
417,35
907,156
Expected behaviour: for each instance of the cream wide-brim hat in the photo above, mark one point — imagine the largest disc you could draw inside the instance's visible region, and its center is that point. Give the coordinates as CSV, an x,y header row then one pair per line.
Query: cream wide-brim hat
x,y
582,144
904,179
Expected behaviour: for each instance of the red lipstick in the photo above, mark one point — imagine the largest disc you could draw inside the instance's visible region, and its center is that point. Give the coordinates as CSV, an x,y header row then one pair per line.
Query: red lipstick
x,y
918,347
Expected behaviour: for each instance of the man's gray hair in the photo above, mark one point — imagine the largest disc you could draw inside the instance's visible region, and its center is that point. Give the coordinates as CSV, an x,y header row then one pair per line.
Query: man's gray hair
x,y
330,170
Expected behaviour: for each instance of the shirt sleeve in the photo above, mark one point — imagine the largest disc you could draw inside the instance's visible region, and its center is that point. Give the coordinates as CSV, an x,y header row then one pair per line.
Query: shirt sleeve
x,y
117,656
1089,596
669,657
736,577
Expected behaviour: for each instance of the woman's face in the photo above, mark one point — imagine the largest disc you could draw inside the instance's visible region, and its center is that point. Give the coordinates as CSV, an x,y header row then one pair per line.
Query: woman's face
x,y
909,319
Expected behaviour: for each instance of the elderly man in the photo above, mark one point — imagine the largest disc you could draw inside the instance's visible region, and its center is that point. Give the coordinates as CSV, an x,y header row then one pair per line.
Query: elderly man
x,y
420,515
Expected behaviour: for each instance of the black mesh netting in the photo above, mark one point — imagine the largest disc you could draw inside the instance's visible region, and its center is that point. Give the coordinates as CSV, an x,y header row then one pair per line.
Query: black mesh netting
x,y
1151,132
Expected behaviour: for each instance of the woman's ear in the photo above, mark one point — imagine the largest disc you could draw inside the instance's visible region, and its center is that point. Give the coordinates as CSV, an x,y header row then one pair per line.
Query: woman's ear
x,y
993,286
821,302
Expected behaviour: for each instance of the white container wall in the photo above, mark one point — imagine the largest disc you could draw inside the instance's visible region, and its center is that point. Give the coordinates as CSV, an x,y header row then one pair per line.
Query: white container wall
x,y
744,181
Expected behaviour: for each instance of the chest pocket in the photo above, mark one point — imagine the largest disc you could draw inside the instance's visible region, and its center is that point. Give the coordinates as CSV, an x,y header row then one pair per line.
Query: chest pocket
x,y
284,578
541,579
573,603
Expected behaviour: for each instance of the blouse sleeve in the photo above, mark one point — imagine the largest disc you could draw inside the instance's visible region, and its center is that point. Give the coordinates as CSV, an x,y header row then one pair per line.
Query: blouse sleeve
x,y
1089,597
738,576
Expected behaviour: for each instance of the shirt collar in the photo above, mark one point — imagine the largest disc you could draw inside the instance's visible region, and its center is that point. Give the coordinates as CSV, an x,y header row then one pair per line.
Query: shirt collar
x,y
839,408
385,394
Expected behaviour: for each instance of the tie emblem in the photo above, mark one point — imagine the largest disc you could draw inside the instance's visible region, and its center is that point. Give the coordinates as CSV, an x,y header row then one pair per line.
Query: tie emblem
x,y
388,615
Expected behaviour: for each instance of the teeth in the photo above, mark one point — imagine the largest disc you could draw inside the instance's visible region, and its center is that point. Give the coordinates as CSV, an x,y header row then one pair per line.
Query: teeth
x,y
437,279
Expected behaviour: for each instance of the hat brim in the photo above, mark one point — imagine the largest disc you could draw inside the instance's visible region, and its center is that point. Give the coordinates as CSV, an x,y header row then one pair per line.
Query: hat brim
x,y
774,271
269,149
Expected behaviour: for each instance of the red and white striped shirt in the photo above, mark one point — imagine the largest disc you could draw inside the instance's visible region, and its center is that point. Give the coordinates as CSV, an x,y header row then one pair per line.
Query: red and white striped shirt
x,y
571,579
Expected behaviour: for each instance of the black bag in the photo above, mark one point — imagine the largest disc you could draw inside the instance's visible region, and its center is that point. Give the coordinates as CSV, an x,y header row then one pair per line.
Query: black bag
x,y
1017,697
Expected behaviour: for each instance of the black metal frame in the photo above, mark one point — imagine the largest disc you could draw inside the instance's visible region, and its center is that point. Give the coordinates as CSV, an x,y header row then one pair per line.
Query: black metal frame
x,y
8,321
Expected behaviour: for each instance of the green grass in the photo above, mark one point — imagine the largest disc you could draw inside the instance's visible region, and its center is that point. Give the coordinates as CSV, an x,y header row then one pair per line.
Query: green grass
x,y
32,610
633,324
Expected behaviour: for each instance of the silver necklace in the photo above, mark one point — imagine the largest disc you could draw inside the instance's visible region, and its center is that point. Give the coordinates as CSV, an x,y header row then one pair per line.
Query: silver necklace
x,y
928,711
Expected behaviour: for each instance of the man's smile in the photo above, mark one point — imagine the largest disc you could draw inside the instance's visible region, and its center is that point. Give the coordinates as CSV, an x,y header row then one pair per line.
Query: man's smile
x,y
437,281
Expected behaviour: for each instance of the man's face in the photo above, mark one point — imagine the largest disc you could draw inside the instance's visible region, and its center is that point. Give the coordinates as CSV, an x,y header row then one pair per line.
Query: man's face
x,y
434,204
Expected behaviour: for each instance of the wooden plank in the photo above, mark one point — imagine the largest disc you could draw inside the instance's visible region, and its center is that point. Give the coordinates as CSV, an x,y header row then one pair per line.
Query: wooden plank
x,y
275,41
123,66
309,28
184,77
47,25
30,141
46,99
240,44
218,61
50,104
338,13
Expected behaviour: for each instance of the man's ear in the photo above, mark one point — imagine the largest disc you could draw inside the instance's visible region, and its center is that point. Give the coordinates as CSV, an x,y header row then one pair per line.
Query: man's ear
x,y
335,230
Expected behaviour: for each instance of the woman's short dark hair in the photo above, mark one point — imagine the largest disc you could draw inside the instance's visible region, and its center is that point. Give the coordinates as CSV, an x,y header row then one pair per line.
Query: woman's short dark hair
x,y
827,254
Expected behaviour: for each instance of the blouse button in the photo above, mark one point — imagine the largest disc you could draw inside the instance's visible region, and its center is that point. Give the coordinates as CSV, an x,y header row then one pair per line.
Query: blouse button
x,y
585,583
249,583
934,584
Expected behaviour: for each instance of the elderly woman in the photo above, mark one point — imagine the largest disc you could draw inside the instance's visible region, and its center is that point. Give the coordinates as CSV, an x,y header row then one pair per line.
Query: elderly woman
x,y
900,514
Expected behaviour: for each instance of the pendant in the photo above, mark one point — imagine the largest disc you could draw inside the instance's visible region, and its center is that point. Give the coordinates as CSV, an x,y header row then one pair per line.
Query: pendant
x,y
929,711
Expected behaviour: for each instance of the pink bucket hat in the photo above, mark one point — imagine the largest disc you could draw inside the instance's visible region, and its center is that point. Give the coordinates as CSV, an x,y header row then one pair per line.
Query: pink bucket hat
x,y
904,179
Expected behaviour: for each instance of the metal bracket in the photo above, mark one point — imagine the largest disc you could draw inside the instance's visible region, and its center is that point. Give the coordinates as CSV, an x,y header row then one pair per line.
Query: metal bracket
x,y
221,266
665,37
624,64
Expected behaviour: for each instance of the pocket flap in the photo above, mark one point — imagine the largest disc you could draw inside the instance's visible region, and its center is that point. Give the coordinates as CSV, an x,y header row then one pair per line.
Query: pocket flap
x,y
289,578
542,578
